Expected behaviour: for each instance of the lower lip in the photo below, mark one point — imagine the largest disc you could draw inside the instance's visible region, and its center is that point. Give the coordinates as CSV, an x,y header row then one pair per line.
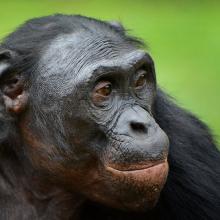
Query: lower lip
x,y
135,167
156,173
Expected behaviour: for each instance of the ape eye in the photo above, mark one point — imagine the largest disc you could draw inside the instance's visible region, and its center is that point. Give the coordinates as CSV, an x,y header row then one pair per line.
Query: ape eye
x,y
101,91
103,88
141,81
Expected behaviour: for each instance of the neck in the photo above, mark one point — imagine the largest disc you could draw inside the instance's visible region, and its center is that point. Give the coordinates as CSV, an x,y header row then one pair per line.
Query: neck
x,y
24,194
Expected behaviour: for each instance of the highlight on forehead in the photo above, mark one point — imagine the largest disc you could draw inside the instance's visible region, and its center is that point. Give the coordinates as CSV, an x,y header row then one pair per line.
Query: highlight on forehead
x,y
80,49
90,44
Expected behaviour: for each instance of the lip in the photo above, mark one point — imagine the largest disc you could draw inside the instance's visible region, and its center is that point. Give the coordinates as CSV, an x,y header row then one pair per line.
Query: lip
x,y
150,174
135,167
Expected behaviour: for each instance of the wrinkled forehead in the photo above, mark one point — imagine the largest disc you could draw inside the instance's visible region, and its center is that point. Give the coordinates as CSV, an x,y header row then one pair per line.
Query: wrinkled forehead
x,y
80,53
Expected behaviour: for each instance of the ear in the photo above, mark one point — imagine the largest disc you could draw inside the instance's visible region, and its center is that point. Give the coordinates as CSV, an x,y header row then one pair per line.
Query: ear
x,y
11,83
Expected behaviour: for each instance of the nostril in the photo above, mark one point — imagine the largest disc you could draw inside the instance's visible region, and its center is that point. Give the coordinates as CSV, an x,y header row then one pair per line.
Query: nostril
x,y
138,127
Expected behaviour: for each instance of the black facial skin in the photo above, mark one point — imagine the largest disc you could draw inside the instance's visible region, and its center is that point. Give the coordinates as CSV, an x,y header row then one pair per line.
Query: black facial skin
x,y
118,131
84,130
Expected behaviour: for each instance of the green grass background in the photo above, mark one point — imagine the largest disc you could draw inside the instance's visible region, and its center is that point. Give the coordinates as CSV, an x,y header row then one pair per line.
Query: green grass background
x,y
183,37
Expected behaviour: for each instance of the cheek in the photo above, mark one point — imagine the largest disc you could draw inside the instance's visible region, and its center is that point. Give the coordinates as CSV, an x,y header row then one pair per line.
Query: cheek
x,y
68,167
69,170
38,152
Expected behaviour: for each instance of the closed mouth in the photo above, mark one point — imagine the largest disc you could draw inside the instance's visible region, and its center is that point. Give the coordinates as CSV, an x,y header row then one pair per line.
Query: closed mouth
x,y
135,167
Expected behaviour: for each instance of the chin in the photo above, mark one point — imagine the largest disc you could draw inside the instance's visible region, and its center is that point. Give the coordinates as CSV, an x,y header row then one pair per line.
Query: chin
x,y
132,190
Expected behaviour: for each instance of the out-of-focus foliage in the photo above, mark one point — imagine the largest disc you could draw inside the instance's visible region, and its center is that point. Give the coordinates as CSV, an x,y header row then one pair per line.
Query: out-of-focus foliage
x,y
183,37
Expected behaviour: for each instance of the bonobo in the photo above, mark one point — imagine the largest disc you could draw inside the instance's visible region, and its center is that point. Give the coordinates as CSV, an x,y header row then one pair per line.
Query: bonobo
x,y
85,133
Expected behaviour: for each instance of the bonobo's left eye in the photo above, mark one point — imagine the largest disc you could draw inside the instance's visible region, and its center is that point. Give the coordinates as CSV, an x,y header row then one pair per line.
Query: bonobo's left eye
x,y
141,80
101,92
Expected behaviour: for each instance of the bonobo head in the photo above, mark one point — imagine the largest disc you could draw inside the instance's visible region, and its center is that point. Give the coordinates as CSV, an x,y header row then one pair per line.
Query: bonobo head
x,y
81,94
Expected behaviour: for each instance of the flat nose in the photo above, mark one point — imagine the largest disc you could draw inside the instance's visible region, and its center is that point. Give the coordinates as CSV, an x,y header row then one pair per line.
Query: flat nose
x,y
141,141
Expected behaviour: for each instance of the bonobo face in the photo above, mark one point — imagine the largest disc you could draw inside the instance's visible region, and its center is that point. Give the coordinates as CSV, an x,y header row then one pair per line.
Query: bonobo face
x,y
90,123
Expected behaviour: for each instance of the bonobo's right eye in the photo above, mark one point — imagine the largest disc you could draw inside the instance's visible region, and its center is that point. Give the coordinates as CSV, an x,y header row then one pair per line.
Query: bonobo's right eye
x,y
101,92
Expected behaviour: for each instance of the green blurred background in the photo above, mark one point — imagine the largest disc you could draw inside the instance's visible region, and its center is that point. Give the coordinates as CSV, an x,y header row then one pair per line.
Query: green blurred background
x,y
183,38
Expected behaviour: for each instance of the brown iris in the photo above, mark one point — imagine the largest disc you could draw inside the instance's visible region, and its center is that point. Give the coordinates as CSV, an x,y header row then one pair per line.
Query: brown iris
x,y
101,92
141,81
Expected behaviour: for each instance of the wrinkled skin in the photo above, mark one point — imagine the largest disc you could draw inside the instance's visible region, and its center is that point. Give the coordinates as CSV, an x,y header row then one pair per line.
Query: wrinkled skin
x,y
104,144
82,126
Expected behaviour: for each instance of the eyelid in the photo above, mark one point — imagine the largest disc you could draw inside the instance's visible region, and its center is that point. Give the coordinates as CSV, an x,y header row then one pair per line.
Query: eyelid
x,y
101,85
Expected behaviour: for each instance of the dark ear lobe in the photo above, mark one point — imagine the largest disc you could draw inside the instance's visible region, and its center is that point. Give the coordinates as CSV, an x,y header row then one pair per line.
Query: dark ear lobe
x,y
11,83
